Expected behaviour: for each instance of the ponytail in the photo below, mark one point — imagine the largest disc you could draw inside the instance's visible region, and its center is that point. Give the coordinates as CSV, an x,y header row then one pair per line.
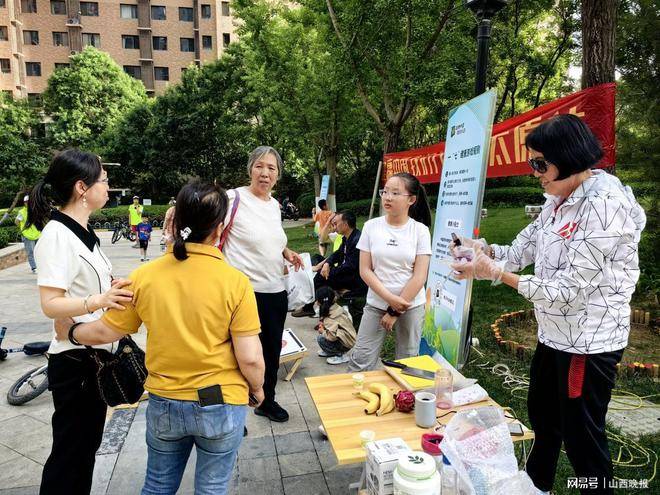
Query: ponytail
x,y
325,296
179,247
40,205
420,209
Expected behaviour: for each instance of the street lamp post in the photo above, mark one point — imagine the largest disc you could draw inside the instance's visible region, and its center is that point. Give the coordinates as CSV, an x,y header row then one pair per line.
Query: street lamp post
x,y
484,11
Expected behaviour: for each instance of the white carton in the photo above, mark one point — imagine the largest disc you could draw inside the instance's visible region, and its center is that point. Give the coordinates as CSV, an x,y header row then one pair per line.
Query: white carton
x,y
382,457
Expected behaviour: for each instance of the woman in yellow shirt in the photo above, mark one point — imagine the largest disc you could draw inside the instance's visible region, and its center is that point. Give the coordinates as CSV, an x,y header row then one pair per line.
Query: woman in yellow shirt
x,y
203,351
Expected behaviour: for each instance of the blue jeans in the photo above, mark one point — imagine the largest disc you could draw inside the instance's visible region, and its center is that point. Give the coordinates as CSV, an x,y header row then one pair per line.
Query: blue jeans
x,y
29,249
173,426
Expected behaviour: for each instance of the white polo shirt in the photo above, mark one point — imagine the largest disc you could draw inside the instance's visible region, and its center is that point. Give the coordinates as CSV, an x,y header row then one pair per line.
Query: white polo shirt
x,y
69,257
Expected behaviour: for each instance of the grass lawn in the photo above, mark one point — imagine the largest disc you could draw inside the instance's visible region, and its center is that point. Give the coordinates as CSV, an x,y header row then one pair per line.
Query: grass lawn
x,y
501,226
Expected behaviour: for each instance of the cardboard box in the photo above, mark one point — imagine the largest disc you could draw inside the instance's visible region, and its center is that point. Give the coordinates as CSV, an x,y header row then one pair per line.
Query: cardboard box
x,y
382,457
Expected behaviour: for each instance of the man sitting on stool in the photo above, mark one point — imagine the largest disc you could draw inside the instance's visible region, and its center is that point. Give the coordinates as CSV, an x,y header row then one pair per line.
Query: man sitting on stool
x,y
341,270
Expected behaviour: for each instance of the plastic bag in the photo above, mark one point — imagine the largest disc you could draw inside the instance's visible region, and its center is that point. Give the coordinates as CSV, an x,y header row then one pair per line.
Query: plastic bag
x,y
300,284
478,445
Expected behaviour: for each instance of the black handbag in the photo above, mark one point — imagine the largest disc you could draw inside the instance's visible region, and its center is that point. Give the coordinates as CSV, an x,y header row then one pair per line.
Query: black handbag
x,y
120,376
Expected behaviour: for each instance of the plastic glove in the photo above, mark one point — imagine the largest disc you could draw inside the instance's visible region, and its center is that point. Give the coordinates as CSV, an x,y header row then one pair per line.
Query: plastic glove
x,y
467,243
481,268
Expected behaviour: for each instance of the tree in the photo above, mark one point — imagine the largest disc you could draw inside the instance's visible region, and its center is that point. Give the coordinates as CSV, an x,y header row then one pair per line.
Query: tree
x,y
87,98
598,34
22,157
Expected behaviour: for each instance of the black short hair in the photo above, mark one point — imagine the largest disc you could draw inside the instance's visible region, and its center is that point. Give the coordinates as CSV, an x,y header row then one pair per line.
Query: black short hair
x,y
349,217
566,142
322,203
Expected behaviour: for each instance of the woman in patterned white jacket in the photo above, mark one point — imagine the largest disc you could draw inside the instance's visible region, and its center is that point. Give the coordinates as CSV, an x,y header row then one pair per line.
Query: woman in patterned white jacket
x,y
584,249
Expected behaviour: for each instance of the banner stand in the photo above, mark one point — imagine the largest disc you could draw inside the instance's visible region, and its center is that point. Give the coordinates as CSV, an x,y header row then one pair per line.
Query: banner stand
x,y
376,184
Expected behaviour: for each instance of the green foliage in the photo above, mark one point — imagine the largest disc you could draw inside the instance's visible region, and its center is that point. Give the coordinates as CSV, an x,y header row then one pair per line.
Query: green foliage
x,y
87,98
8,235
120,214
22,157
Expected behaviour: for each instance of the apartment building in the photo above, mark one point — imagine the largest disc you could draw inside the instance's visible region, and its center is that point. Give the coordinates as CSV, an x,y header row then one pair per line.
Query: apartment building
x,y
153,40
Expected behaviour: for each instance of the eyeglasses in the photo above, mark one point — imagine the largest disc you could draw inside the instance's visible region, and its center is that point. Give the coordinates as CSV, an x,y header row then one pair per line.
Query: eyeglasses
x,y
540,165
105,181
391,194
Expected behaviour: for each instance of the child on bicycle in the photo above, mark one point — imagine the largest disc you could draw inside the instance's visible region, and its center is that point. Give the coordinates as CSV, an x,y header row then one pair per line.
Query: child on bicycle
x,y
336,332
144,235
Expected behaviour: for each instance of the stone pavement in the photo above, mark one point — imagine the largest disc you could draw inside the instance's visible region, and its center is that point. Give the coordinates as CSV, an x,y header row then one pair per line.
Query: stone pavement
x,y
287,458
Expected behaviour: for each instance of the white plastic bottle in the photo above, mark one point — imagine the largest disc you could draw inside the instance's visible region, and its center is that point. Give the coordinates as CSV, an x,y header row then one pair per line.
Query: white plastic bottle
x,y
448,478
415,474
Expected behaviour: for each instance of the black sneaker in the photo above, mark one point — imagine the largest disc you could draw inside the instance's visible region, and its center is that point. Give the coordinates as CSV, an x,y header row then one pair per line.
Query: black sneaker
x,y
306,310
273,411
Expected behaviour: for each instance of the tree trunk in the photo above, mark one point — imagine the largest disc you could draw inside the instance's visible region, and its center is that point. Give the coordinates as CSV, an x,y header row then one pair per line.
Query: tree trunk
x,y
18,196
598,35
391,137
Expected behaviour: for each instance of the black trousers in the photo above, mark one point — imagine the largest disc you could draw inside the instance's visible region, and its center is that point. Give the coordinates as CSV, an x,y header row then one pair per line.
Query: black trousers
x,y
78,423
338,281
272,314
567,401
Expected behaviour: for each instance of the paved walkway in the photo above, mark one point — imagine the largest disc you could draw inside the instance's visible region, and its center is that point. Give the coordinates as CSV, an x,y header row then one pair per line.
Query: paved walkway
x,y
276,458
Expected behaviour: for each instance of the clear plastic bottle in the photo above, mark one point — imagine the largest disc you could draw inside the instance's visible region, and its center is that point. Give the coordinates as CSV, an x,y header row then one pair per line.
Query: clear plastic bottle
x,y
448,478
444,386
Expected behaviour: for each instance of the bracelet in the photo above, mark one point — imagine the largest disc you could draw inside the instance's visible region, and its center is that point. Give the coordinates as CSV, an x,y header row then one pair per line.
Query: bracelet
x,y
71,337
392,312
85,304
491,252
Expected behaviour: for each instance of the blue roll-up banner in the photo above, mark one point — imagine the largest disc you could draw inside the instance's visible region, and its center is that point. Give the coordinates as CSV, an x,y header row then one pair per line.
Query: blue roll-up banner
x,y
325,184
462,182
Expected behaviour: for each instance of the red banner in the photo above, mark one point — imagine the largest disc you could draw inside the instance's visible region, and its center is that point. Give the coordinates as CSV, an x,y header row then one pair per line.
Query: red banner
x,y
508,155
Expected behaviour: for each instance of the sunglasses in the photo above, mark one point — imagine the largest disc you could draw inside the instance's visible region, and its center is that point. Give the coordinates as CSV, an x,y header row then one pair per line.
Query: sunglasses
x,y
538,164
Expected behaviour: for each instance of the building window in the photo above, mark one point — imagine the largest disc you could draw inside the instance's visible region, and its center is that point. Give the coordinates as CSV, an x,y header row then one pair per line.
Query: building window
x,y
160,42
91,39
207,42
161,73
225,9
61,65
29,6
33,69
2,4
187,45
206,11
4,33
31,37
130,42
186,14
128,11
89,9
133,71
35,99
226,39
60,38
58,7
158,13
5,66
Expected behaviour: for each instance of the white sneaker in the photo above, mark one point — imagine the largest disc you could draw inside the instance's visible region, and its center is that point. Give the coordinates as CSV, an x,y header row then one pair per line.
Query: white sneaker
x,y
337,359
322,431
322,353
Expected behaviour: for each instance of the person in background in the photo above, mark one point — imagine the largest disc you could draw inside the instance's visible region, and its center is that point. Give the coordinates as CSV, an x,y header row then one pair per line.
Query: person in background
x,y
336,332
203,355
144,229
75,281
168,226
322,217
583,246
341,270
256,245
395,252
134,217
29,233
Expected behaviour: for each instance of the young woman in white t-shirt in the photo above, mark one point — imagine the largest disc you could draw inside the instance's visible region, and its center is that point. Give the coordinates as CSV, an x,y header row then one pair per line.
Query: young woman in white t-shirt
x,y
74,281
395,251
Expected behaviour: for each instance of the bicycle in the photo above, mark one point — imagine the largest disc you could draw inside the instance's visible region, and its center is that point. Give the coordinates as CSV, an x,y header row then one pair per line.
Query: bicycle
x,y
122,230
33,383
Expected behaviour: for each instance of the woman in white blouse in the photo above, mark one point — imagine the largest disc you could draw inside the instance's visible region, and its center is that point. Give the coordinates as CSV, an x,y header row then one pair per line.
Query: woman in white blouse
x,y
256,245
584,249
74,281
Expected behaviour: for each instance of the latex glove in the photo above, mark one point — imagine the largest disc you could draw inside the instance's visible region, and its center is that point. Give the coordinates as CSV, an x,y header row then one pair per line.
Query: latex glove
x,y
467,243
481,268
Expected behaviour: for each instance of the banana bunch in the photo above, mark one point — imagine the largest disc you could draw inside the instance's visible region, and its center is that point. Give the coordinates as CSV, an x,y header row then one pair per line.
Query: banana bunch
x,y
379,399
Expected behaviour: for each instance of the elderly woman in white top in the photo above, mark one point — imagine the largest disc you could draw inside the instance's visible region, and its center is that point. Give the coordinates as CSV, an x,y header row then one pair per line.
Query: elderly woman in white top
x,y
584,249
256,245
